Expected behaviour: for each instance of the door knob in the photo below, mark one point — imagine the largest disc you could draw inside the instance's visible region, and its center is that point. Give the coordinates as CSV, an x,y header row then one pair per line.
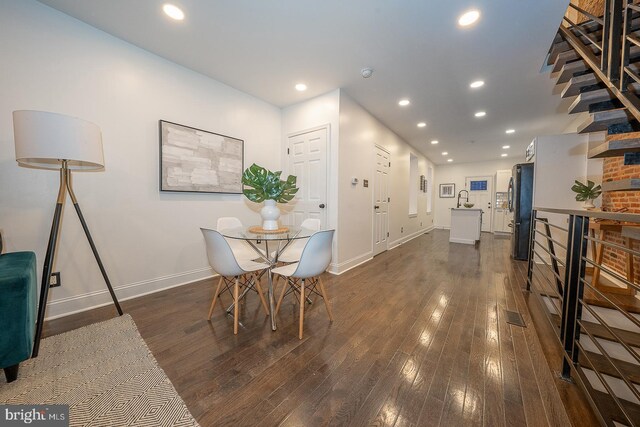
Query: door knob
x,y
376,207
321,205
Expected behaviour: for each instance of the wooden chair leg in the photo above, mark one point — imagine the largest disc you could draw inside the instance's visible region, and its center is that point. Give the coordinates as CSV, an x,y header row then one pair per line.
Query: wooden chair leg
x,y
301,309
324,297
260,293
215,298
11,372
236,307
284,289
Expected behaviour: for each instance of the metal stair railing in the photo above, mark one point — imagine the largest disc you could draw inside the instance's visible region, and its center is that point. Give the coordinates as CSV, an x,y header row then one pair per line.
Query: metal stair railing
x,y
612,67
587,331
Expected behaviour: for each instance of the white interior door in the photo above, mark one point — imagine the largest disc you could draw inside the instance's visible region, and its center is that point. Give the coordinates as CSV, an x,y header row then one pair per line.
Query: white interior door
x,y
480,190
381,201
307,154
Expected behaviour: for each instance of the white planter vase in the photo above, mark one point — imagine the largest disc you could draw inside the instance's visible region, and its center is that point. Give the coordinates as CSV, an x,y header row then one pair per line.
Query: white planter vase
x,y
270,214
588,204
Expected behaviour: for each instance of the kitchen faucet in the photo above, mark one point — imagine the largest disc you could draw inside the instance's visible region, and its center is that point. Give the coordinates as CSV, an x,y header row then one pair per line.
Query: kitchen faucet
x,y
459,194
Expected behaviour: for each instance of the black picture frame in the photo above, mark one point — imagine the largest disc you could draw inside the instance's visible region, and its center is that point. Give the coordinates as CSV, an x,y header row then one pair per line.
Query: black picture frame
x,y
447,191
216,166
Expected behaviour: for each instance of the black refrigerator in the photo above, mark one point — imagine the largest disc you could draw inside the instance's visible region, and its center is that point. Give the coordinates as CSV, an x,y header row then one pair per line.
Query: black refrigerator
x,y
520,203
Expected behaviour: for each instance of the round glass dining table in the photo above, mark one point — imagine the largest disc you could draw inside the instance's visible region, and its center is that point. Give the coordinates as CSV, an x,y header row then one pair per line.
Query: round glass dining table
x,y
274,244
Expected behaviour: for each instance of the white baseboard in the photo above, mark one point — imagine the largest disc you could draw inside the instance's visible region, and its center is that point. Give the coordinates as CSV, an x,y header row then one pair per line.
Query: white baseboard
x,y
405,239
442,227
465,241
78,303
345,266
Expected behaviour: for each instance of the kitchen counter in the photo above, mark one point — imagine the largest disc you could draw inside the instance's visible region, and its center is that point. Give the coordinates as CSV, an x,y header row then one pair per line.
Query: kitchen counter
x,y
465,225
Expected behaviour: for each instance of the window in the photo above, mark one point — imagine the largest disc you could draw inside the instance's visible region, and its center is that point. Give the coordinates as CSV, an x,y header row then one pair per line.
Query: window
x,y
478,185
414,184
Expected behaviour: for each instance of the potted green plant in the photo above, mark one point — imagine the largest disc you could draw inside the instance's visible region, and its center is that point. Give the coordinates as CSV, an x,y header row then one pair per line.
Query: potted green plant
x,y
266,186
586,193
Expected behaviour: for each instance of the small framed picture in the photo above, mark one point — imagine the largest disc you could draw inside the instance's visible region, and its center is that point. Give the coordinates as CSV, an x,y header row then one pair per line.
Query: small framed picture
x,y
447,191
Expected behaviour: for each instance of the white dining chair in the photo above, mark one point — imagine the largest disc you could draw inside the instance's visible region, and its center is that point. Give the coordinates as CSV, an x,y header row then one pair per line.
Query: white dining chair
x,y
293,252
304,276
231,270
241,249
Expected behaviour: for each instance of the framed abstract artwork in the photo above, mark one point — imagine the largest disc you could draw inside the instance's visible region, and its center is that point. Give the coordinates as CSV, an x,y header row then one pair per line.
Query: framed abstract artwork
x,y
447,190
195,160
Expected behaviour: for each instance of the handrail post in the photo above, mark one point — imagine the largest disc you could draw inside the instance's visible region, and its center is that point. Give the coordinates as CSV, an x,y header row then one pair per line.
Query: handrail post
x,y
614,34
626,46
574,289
532,236
606,17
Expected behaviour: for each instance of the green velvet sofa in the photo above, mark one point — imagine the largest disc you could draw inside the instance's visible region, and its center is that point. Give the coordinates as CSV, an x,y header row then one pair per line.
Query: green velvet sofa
x,y
17,310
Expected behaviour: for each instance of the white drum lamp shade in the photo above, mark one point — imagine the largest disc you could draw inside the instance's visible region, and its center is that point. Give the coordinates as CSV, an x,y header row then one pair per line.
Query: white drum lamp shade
x,y
43,140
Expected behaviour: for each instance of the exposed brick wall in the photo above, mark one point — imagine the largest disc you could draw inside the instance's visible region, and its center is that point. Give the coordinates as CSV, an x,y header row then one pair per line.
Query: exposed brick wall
x,y
594,7
614,169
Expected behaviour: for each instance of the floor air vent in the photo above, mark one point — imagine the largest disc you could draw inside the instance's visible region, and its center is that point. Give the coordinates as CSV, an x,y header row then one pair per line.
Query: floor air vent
x,y
515,318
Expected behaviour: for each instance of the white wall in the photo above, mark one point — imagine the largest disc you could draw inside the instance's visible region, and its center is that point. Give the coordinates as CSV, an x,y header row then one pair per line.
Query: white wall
x,y
359,133
147,239
353,136
456,173
559,161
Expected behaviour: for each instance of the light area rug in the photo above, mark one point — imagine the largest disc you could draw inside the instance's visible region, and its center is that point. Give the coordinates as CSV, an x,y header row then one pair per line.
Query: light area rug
x,y
105,373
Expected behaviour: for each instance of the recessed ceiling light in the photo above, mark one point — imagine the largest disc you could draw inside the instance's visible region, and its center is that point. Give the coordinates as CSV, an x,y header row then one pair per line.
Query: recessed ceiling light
x,y
476,84
435,141
173,12
449,160
509,131
480,114
468,18
301,87
444,153
421,124
506,147
504,155
403,102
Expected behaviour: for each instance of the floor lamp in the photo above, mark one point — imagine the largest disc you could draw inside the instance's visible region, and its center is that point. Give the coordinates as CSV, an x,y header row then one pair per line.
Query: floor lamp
x,y
58,142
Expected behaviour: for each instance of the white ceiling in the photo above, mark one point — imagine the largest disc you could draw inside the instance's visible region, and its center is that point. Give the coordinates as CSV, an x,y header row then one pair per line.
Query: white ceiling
x,y
417,50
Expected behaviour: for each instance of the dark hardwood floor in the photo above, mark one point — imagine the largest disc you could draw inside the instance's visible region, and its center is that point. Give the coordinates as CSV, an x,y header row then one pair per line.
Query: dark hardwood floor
x,y
420,338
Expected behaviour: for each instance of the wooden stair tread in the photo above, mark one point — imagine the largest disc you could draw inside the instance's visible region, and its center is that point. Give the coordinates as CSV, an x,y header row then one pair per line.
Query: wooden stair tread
x,y
571,55
628,303
600,363
569,69
557,49
629,184
592,28
599,331
616,145
585,99
601,120
568,56
608,408
573,86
